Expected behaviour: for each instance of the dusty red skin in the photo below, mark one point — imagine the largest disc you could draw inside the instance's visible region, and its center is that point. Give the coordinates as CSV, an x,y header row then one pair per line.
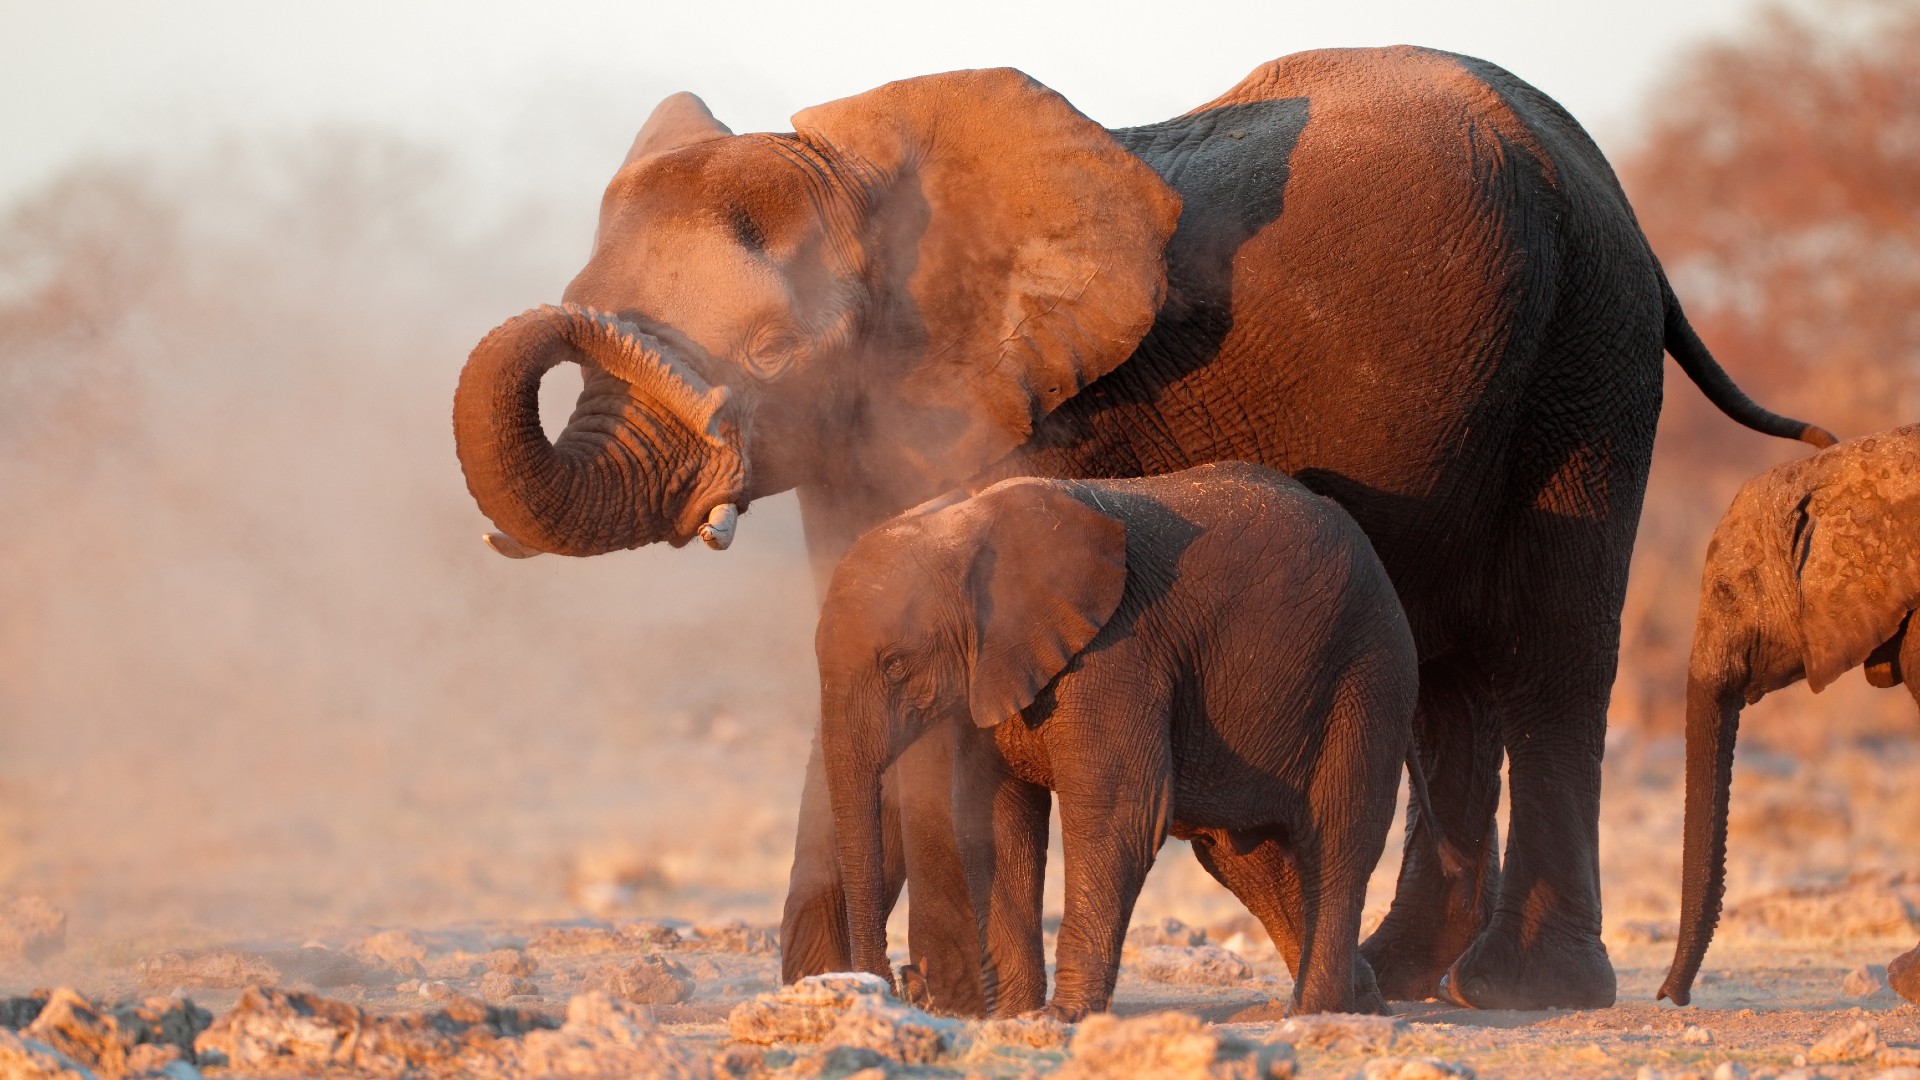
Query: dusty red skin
x,y
1214,653
1812,572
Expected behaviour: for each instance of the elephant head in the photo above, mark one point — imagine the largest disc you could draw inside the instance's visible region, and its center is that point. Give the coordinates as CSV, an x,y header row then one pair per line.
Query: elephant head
x,y
963,612
1812,572
887,298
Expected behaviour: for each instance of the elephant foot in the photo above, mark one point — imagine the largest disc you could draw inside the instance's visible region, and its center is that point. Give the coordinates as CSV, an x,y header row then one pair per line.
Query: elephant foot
x,y
1020,999
1410,952
1362,998
1556,970
1367,997
1903,974
1065,1014
912,985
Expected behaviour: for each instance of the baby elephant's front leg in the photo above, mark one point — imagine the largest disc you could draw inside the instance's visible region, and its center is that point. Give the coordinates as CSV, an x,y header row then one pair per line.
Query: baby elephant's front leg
x,y
1110,830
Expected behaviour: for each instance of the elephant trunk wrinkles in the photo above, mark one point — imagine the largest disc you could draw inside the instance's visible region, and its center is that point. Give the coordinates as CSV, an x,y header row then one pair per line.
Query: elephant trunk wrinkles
x,y
649,449
855,760
1713,722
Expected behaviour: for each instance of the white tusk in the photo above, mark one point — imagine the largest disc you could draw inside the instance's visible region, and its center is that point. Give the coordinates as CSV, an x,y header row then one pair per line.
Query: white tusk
x,y
506,545
717,533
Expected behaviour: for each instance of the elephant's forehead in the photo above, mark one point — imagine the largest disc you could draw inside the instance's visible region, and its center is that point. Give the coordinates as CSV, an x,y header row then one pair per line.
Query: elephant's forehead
x,y
681,271
713,180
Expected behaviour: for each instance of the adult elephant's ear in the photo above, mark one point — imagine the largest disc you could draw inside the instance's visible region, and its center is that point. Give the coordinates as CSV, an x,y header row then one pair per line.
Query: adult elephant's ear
x,y
1046,573
1857,553
1029,244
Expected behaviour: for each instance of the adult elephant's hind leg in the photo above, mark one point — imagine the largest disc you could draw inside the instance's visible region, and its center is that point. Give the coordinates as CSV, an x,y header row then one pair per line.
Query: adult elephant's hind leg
x,y
1450,868
1561,582
1542,947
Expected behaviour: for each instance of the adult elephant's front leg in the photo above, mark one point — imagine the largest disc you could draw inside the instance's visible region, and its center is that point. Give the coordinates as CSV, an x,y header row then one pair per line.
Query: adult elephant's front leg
x,y
1450,868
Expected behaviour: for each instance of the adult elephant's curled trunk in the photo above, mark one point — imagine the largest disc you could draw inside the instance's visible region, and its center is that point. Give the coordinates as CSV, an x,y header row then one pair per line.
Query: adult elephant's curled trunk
x,y
1713,722
652,451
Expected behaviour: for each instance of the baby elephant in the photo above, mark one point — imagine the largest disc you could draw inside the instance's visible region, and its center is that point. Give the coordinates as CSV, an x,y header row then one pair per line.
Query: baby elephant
x,y
1216,654
1813,571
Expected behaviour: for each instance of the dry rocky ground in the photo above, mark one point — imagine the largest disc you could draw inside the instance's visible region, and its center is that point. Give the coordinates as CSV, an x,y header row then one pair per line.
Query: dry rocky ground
x,y
634,964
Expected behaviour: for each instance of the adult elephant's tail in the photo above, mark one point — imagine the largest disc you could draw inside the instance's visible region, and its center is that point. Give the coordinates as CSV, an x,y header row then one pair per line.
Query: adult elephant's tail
x,y
1706,373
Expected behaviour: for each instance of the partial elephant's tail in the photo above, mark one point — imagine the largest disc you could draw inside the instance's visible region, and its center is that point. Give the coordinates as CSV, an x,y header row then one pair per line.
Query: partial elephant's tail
x,y
1706,373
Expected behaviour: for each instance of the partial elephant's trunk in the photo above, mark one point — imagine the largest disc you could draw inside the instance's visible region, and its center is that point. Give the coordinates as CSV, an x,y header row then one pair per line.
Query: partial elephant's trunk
x,y
1713,721
855,760
650,453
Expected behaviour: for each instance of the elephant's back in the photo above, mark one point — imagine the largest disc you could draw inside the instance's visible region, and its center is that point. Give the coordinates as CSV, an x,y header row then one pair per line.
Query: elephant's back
x,y
1279,606
1403,276
1407,94
1263,548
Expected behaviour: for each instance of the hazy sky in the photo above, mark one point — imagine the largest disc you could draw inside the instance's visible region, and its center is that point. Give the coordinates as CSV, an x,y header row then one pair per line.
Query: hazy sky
x,y
82,77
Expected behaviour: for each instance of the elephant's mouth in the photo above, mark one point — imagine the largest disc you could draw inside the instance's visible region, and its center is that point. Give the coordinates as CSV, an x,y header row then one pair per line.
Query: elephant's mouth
x,y
653,451
716,532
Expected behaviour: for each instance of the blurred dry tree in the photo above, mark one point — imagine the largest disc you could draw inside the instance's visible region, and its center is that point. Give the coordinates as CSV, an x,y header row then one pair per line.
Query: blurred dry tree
x,y
1778,177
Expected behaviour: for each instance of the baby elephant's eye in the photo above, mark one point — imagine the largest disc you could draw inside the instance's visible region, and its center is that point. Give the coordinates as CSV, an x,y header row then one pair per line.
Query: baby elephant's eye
x,y
895,666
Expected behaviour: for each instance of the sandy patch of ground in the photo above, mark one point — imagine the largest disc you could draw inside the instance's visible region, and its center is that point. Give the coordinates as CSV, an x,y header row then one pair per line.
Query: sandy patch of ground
x,y
655,937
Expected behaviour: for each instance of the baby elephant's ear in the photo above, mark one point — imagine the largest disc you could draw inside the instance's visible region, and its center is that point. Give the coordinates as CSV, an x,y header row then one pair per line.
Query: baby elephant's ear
x,y
1856,550
1047,572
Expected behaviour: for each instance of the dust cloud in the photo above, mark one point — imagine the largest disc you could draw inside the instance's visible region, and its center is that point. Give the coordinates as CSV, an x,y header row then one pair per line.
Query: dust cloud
x,y
256,668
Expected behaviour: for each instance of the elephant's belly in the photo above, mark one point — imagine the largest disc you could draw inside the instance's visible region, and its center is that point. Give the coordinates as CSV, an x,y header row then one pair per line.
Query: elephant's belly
x,y
1234,799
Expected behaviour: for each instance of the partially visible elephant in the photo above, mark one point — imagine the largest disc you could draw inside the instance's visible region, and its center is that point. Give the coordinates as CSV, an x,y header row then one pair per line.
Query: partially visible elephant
x,y
1215,653
1813,571
1403,276
1903,971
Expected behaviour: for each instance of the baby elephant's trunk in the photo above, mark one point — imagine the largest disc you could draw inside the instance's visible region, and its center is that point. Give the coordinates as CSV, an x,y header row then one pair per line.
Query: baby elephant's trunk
x,y
853,781
1713,721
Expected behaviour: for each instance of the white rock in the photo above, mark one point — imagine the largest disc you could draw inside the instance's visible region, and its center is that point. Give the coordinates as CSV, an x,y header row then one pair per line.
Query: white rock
x,y
805,1011
1201,965
1849,1041
1347,1033
1170,1046
1416,1068
1865,980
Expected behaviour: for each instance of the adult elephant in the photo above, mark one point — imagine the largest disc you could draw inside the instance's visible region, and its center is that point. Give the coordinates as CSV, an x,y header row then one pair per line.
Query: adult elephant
x,y
1402,275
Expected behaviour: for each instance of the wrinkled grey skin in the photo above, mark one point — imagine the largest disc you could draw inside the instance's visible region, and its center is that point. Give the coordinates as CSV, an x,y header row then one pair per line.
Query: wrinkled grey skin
x,y
1216,654
1813,571
1405,277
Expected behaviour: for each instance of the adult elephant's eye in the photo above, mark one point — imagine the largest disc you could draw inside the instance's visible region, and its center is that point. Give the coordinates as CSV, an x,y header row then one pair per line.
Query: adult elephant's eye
x,y
894,666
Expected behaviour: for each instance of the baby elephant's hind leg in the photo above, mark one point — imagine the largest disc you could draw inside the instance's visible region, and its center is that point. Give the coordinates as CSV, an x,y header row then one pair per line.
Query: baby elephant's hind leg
x,y
1258,868
1350,802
